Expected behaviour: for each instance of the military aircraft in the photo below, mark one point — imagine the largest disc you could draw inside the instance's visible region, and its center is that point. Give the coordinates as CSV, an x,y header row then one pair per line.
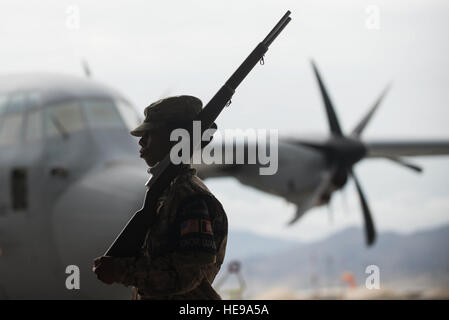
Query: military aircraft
x,y
70,178
311,170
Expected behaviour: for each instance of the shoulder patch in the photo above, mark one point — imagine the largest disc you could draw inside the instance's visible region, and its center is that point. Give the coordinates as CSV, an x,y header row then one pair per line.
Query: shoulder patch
x,y
189,226
195,226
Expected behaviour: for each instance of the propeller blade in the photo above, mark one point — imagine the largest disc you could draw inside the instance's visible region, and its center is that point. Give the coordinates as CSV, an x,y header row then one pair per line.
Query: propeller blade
x,y
314,199
406,164
369,224
330,110
361,126
300,210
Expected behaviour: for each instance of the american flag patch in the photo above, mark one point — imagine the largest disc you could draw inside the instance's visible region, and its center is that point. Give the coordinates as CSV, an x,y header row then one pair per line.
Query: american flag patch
x,y
206,227
189,226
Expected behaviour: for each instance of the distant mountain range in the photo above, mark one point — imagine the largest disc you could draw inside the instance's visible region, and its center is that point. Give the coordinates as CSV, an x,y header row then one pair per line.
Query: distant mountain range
x,y
417,260
243,244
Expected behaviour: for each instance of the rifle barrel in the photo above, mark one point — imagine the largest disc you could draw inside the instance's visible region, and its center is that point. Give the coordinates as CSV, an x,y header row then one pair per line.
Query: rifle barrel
x,y
278,31
273,33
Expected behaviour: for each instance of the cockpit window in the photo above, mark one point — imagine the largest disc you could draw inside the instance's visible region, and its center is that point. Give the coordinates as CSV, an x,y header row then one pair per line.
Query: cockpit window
x,y
10,129
64,118
129,115
16,102
101,113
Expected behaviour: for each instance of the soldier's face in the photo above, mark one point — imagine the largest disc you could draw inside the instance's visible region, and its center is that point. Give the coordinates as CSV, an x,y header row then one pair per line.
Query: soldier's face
x,y
155,145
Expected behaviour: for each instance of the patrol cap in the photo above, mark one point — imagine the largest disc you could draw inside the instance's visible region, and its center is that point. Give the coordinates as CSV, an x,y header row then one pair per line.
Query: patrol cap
x,y
168,112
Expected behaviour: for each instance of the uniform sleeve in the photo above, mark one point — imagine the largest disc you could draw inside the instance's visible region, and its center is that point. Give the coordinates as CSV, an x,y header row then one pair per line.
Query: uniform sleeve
x,y
180,271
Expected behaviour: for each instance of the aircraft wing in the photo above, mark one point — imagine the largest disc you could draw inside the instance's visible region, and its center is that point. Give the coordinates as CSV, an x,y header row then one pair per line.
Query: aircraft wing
x,y
391,148
387,148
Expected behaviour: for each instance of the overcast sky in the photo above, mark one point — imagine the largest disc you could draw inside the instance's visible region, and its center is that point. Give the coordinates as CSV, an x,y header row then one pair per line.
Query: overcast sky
x,y
148,49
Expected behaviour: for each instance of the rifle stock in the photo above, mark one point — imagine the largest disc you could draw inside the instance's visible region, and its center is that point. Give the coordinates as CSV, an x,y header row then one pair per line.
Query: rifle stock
x,y
130,239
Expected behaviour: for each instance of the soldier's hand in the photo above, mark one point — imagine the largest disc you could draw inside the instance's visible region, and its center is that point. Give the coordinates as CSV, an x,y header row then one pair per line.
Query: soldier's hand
x,y
104,269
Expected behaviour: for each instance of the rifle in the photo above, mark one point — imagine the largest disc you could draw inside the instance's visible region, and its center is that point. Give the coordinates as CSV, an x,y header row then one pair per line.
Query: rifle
x,y
130,240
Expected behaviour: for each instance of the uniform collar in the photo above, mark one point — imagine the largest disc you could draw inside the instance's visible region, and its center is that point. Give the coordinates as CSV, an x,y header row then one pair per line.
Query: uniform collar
x,y
185,168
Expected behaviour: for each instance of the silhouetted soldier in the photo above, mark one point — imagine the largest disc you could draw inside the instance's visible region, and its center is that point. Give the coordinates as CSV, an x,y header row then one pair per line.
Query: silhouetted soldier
x,y
185,245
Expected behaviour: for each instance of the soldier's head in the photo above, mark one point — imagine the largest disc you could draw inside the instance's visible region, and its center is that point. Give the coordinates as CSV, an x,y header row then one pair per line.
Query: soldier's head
x,y
161,118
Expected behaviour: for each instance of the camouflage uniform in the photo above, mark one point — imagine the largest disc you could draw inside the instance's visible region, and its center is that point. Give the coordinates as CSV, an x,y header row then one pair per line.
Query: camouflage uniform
x,y
184,247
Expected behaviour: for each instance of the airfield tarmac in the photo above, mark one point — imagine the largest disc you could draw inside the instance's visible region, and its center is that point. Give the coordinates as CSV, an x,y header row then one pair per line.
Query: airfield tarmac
x,y
281,293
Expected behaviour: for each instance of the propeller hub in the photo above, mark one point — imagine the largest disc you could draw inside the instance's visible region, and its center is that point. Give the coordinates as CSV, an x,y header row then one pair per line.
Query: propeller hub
x,y
346,151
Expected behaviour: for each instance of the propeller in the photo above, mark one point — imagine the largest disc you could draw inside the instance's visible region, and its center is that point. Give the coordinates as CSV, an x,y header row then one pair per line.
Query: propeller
x,y
356,133
331,115
342,153
406,164
369,224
